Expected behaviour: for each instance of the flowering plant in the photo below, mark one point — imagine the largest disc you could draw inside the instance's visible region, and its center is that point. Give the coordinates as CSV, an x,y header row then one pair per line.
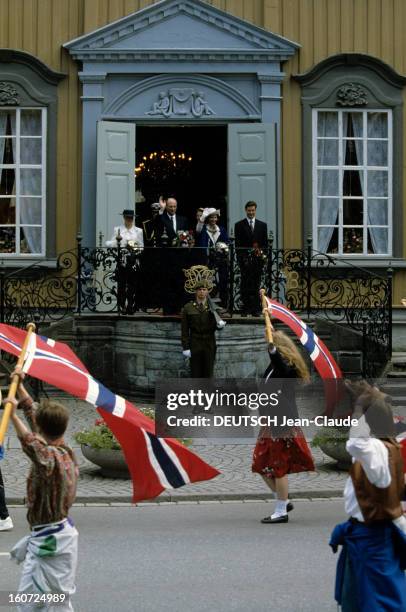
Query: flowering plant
x,y
100,436
353,241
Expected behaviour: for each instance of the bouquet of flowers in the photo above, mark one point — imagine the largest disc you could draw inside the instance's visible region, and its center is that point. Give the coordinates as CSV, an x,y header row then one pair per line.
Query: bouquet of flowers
x,y
256,252
222,248
184,239
134,246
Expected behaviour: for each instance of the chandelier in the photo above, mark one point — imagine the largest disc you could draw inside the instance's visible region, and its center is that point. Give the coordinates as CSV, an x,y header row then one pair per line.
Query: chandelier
x,y
160,163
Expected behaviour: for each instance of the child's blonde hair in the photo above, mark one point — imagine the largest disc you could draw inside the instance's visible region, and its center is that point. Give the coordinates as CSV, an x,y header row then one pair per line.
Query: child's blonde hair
x,y
291,354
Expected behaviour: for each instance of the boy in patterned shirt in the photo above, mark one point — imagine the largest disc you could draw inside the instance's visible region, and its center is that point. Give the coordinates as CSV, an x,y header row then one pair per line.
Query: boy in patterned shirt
x,y
50,551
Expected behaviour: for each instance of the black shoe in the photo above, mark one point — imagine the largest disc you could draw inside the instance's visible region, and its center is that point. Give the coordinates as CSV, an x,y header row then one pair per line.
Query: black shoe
x,y
278,519
290,507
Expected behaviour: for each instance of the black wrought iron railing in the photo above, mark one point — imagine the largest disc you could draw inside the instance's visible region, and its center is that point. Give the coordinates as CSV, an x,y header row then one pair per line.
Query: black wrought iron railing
x,y
318,284
127,281
37,293
337,291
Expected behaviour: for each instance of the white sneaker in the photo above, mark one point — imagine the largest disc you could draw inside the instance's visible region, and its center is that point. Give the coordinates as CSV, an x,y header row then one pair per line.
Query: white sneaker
x,y
6,524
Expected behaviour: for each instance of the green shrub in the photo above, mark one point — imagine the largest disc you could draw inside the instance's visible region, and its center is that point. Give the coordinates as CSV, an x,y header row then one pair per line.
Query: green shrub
x,y
100,436
329,435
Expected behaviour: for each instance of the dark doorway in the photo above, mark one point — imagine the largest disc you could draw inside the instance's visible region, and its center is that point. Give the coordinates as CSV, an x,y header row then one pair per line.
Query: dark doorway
x,y
189,163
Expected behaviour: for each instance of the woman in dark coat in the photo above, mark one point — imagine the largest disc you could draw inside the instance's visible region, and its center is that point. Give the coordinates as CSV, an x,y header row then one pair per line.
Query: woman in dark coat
x,y
215,239
281,452
209,233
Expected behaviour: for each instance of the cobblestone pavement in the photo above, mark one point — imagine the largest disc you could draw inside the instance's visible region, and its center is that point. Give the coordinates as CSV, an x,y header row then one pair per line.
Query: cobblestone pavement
x,y
233,459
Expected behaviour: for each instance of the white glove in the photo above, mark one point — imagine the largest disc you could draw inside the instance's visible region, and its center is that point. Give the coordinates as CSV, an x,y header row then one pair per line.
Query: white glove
x,y
221,324
187,353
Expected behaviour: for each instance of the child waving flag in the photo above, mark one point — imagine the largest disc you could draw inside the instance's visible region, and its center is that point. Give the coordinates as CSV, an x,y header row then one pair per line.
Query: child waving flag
x,y
156,464
49,552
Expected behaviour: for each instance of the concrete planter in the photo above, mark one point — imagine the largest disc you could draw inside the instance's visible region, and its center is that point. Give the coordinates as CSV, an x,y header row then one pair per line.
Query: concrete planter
x,y
111,461
332,442
336,450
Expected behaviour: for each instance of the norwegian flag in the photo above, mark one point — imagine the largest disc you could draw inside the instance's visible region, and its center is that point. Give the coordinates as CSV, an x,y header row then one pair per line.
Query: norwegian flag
x,y
401,439
323,360
156,464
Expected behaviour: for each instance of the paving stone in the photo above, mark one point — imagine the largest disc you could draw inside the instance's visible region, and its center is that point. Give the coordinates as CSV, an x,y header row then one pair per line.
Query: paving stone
x,y
236,480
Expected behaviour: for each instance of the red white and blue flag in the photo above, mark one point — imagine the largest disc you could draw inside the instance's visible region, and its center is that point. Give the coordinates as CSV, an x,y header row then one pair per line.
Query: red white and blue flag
x,y
323,360
156,464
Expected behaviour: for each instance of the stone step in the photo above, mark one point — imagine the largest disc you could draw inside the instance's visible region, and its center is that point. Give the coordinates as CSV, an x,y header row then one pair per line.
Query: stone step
x,y
397,367
394,387
398,362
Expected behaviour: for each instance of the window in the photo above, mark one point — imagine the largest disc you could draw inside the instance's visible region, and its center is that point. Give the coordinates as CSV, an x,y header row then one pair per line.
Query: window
x,y
22,181
352,181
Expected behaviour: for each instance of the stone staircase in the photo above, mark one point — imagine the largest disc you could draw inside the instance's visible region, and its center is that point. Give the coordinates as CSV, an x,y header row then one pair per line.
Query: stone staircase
x,y
395,384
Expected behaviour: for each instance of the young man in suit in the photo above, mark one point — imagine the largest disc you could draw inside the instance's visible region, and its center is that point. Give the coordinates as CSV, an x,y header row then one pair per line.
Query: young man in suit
x,y
251,238
250,232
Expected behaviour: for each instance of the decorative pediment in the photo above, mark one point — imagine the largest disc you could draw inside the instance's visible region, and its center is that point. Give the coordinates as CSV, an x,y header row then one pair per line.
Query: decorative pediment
x,y
166,97
181,29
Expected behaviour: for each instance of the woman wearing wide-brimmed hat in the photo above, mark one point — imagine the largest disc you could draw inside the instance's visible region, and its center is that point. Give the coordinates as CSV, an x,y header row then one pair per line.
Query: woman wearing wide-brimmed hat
x,y
128,236
209,233
215,239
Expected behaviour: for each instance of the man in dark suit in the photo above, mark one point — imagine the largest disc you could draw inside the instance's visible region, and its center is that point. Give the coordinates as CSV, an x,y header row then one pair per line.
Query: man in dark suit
x,y
170,221
251,232
251,241
173,259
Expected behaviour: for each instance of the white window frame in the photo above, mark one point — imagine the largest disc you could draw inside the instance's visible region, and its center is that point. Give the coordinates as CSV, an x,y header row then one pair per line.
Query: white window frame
x,y
17,166
364,167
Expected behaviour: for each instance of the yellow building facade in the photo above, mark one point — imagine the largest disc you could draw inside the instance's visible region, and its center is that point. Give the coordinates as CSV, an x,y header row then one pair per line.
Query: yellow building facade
x,y
317,29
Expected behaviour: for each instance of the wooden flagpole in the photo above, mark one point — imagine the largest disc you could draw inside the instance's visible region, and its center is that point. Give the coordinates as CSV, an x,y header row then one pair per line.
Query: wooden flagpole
x,y
14,384
268,328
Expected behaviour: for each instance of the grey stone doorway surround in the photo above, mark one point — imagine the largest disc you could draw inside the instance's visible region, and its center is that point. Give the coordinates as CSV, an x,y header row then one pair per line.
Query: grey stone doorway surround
x,y
183,62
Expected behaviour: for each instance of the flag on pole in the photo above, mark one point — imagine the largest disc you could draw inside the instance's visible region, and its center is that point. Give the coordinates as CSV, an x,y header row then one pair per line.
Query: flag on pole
x,y
156,464
323,360
401,439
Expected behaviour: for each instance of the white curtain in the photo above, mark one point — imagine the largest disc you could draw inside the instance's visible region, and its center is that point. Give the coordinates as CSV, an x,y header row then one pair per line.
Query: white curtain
x,y
30,178
327,179
357,120
377,179
3,122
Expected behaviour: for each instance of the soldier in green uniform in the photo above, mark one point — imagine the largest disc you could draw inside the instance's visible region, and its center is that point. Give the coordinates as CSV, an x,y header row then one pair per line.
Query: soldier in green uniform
x,y
198,333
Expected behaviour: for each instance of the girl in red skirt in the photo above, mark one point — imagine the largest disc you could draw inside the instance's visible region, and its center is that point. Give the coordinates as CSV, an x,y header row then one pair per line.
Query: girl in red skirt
x,y
279,453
